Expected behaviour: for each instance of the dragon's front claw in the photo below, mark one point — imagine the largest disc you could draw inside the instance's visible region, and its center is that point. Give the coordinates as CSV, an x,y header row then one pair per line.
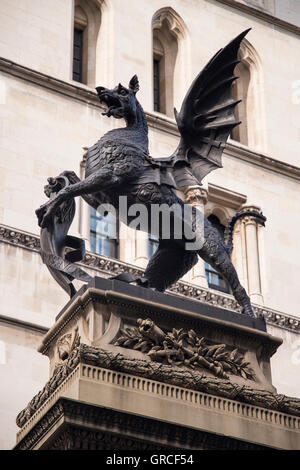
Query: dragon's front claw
x,y
44,215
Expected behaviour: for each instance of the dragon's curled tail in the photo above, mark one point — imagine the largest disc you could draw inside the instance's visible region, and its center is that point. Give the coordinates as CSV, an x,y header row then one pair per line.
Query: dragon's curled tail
x,y
228,236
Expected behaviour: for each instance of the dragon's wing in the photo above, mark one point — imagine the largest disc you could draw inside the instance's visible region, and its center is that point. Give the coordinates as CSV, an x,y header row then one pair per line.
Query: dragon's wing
x,y
206,118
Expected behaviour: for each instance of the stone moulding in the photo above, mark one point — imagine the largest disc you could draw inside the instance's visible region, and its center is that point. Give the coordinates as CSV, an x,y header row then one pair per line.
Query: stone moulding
x,y
110,267
135,432
262,15
172,376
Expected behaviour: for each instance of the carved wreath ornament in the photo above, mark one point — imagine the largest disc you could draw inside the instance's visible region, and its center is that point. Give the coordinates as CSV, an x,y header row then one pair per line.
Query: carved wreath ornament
x,y
184,348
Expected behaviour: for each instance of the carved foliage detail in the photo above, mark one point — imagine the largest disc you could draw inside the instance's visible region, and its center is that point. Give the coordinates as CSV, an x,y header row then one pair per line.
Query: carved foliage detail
x,y
184,348
66,345
194,380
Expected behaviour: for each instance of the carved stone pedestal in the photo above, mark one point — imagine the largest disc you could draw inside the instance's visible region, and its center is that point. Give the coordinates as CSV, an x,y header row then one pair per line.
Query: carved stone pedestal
x,y
135,369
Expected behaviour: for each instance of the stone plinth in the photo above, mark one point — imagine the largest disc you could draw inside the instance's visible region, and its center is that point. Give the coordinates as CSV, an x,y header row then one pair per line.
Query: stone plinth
x,y
133,368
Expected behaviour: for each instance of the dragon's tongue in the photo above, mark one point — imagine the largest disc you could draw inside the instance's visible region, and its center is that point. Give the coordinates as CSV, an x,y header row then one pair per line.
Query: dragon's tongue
x,y
108,112
113,111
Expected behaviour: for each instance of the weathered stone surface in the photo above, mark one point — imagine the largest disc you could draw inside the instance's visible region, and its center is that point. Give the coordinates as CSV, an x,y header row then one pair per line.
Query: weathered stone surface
x,y
113,348
166,374
107,429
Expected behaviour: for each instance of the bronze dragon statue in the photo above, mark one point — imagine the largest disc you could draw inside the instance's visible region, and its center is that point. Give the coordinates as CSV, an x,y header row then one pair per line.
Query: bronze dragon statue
x,y
119,164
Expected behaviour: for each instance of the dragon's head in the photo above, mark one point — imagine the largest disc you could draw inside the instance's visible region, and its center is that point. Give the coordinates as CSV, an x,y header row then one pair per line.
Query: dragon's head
x,y
120,101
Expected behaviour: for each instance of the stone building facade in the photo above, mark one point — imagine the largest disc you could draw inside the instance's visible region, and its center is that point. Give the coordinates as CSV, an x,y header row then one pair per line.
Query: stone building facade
x,y
50,113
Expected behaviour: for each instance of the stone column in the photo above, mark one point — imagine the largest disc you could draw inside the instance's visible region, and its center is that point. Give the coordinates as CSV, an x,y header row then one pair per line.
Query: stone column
x,y
141,249
251,225
238,256
85,223
196,196
84,209
127,247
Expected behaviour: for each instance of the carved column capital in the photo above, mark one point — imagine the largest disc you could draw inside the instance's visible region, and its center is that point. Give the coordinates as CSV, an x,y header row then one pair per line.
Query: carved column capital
x,y
195,195
255,218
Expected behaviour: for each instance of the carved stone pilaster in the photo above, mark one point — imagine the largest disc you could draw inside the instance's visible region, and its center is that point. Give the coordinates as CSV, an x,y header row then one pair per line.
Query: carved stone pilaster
x,y
196,196
84,208
251,224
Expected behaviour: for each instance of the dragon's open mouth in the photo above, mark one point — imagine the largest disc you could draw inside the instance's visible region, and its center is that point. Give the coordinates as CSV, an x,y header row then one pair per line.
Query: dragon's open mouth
x,y
114,105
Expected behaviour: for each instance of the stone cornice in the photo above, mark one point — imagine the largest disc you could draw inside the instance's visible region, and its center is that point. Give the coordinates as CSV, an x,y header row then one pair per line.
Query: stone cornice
x,y
262,15
67,88
155,120
119,431
225,197
241,152
23,324
73,367
110,266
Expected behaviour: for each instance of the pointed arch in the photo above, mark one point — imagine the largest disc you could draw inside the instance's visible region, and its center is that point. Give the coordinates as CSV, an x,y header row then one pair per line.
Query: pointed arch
x,y
87,20
168,34
249,88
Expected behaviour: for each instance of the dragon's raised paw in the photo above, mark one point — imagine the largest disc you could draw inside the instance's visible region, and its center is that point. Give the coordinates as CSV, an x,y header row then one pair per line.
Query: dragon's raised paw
x,y
44,215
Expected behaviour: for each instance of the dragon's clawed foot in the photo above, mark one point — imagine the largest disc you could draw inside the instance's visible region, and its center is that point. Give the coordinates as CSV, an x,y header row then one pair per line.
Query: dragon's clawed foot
x,y
247,310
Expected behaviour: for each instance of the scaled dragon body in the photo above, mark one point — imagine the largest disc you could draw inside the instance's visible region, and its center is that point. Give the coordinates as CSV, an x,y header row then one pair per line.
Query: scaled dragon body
x,y
119,164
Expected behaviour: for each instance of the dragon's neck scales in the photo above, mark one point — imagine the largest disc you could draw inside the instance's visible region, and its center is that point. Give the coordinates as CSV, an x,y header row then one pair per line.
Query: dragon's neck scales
x,y
136,130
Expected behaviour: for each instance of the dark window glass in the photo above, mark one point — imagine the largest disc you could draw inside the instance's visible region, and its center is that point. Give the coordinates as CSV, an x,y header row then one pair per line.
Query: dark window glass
x,y
214,279
77,55
152,245
156,79
104,234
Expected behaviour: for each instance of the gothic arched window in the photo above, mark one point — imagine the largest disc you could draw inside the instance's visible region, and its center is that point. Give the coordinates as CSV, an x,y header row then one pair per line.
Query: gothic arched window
x,y
249,89
240,92
167,30
87,18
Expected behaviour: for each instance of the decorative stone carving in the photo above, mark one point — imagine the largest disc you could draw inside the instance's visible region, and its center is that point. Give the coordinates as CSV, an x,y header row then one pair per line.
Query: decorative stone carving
x,y
195,195
65,346
118,431
169,374
175,23
184,348
59,375
82,439
16,237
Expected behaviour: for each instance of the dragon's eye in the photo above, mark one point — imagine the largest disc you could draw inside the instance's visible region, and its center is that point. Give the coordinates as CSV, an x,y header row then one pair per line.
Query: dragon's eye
x,y
123,92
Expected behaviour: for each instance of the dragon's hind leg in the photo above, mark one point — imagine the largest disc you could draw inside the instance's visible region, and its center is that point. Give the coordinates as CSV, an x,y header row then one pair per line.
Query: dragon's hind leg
x,y
214,252
168,264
